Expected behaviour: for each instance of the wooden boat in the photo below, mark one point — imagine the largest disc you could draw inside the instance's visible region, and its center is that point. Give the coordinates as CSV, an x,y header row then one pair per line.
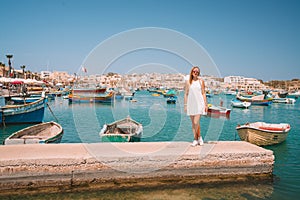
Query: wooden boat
x,y
255,100
89,90
23,100
99,98
25,113
218,110
43,133
294,95
124,130
170,93
284,100
240,104
261,133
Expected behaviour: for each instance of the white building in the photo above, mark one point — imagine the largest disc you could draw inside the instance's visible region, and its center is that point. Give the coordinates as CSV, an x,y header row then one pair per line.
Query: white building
x,y
45,74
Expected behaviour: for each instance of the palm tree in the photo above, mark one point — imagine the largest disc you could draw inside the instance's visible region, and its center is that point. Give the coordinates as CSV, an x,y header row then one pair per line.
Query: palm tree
x,y
9,63
23,71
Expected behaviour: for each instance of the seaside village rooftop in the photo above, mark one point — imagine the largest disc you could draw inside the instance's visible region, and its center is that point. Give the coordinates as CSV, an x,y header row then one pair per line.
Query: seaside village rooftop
x,y
141,81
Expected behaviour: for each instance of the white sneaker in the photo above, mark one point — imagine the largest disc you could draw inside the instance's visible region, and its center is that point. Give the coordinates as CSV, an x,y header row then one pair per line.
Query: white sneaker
x,y
201,141
195,143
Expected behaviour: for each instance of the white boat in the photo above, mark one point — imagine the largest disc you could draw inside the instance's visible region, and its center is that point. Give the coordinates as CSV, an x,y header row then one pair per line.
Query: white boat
x,y
284,100
240,104
43,133
262,134
294,95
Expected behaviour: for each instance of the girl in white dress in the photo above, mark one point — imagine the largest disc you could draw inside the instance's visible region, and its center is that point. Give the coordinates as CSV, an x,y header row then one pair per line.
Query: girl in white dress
x,y
195,103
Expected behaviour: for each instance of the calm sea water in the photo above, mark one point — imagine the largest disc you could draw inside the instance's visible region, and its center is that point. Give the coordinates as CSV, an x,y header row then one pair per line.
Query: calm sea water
x,y
163,122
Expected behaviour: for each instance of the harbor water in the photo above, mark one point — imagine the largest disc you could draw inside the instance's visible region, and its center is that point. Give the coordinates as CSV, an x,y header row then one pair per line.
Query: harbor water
x,y
168,122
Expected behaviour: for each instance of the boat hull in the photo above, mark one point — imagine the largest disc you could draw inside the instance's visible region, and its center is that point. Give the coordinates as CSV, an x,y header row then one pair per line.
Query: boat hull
x,y
261,137
27,113
43,133
125,130
103,98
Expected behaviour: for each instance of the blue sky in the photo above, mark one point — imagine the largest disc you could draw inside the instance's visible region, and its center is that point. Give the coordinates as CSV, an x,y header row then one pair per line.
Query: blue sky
x,y
252,38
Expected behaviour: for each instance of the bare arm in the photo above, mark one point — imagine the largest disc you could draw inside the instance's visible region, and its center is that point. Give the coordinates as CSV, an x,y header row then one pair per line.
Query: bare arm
x,y
204,95
186,92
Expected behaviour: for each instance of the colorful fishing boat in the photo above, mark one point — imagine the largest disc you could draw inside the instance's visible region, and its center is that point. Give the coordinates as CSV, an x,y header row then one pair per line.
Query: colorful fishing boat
x,y
170,93
43,133
240,104
99,98
255,100
262,134
124,130
24,100
25,113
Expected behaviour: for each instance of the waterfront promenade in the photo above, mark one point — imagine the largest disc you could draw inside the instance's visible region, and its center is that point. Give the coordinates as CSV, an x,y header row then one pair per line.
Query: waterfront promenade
x,y
58,167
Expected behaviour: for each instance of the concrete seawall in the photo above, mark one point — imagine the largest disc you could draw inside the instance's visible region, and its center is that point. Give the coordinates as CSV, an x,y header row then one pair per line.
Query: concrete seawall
x,y
121,165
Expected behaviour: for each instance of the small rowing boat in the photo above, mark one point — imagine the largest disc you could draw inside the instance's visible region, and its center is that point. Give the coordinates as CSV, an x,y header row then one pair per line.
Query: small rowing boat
x,y
262,134
124,130
43,133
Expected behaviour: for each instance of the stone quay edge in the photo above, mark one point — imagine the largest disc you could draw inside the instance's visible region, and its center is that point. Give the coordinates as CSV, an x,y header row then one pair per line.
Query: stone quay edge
x,y
122,165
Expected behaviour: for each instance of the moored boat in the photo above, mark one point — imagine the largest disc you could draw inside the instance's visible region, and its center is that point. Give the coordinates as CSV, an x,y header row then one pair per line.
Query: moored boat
x,y
100,98
284,100
24,100
240,104
255,100
171,100
218,110
124,130
43,133
262,134
24,113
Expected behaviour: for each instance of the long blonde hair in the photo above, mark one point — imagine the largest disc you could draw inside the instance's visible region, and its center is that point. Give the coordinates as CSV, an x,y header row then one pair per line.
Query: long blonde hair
x,y
191,73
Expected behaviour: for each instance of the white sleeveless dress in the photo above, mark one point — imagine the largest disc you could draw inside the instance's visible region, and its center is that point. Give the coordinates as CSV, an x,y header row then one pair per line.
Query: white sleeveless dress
x,y
195,101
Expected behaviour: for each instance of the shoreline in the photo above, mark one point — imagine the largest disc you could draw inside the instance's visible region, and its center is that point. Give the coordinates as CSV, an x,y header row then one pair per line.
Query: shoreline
x,y
58,167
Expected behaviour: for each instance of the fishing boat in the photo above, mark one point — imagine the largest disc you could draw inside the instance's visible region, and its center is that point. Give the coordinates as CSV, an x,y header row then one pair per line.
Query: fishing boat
x,y
99,98
23,100
172,100
262,134
240,104
255,100
169,93
124,130
284,100
43,133
218,110
24,113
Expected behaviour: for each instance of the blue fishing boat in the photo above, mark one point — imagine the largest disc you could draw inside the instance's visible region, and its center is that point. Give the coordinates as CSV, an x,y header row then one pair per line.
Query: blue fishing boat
x,y
23,100
25,113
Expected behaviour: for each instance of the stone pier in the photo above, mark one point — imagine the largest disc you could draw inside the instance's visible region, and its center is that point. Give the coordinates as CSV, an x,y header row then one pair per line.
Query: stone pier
x,y
133,165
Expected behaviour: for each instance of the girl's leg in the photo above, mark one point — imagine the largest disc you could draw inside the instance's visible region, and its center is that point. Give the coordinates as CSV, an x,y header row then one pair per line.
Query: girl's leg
x,y
196,126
